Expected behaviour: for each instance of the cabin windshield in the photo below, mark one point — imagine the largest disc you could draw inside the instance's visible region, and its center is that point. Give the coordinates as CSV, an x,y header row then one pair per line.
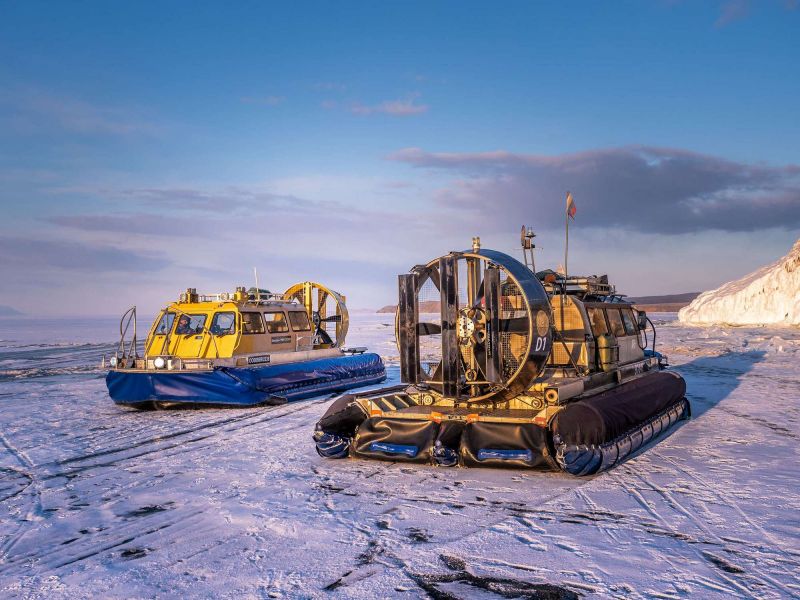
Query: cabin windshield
x,y
224,323
164,324
189,324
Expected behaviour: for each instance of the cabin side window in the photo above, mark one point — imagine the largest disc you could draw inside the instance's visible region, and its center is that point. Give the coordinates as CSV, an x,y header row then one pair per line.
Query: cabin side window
x,y
223,323
628,321
276,322
299,321
252,323
598,319
165,324
190,324
615,321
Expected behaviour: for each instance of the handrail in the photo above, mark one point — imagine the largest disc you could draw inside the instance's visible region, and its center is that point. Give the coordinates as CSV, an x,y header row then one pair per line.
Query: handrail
x,y
128,316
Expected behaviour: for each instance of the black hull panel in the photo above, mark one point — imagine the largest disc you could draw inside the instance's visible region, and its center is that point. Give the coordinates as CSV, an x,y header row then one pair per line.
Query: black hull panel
x,y
586,437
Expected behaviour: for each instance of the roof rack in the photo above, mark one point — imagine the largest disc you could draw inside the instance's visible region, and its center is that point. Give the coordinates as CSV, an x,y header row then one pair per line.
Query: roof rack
x,y
240,295
596,286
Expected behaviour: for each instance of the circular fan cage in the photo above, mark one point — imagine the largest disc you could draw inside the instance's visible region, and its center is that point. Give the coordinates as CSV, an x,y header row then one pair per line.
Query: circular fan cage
x,y
473,326
326,309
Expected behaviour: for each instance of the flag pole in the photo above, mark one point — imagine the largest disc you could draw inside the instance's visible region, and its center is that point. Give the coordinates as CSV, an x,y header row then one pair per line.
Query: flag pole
x,y
566,245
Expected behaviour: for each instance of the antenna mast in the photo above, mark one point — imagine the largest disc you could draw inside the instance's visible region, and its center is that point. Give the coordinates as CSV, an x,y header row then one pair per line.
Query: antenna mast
x,y
526,239
258,290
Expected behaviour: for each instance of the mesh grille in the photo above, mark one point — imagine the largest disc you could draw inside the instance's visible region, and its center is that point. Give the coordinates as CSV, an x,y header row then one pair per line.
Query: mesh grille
x,y
559,355
568,321
429,312
512,345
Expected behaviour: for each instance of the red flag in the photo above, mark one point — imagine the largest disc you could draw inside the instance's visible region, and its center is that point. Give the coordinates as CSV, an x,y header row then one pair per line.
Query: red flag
x,y
571,208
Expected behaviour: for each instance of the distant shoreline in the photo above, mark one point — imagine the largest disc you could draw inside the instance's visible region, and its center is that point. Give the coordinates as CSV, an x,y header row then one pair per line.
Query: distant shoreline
x,y
665,306
671,307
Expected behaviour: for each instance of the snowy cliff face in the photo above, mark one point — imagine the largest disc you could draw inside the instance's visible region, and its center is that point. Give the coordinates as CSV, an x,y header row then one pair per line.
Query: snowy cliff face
x,y
769,296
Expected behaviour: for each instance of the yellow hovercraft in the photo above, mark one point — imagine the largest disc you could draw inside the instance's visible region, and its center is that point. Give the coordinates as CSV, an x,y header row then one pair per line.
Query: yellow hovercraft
x,y
244,348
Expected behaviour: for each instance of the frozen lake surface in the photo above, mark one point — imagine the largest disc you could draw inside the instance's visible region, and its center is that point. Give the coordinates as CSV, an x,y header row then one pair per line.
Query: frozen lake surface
x,y
101,501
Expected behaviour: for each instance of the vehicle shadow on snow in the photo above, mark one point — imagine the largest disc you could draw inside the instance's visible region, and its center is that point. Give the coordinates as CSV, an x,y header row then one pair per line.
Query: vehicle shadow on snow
x,y
711,379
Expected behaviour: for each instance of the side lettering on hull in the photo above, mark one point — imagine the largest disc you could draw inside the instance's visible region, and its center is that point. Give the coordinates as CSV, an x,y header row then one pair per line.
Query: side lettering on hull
x,y
258,360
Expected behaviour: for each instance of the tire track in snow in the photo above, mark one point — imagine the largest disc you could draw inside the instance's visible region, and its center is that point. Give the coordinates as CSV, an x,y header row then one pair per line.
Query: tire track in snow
x,y
93,462
725,570
379,537
152,444
35,506
785,555
89,543
667,526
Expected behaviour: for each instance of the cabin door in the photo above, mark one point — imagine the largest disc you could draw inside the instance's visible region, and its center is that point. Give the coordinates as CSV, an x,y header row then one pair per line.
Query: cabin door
x,y
190,339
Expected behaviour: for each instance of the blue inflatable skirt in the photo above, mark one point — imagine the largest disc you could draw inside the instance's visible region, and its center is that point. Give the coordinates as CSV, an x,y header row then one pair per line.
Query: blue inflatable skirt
x,y
246,386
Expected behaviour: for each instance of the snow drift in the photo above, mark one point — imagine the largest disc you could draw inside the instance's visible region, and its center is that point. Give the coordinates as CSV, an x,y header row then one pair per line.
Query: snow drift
x,y
769,296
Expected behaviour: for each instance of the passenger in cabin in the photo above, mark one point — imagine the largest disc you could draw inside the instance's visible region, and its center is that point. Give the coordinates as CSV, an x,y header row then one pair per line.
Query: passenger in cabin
x,y
183,326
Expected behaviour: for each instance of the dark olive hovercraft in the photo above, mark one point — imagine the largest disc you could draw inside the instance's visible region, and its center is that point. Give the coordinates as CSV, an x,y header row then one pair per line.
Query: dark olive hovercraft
x,y
505,367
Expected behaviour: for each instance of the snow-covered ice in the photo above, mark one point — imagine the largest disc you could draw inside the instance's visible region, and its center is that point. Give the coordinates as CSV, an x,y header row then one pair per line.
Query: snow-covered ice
x,y
768,296
100,501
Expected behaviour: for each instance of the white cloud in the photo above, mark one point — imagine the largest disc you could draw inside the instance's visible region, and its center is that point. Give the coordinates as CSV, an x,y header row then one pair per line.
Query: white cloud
x,y
403,107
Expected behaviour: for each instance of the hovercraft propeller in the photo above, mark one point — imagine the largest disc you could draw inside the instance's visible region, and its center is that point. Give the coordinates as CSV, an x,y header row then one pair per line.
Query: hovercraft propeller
x,y
493,332
326,309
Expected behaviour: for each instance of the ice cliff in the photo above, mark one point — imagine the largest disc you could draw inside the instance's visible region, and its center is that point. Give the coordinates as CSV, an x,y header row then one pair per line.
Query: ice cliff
x,y
769,296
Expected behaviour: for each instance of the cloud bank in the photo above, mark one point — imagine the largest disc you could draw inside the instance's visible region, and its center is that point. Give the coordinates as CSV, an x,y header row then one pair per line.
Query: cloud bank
x,y
638,188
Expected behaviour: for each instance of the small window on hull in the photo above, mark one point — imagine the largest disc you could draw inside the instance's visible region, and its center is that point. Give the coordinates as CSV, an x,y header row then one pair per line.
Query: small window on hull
x,y
299,321
629,321
276,323
224,323
252,323
615,320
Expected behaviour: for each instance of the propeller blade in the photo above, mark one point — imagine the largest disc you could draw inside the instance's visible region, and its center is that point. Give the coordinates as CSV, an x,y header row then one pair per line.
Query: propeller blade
x,y
491,365
519,325
429,328
451,356
407,331
322,308
322,336
479,299
332,319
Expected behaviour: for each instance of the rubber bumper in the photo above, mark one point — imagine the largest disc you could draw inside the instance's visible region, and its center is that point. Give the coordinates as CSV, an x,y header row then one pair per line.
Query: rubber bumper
x,y
595,434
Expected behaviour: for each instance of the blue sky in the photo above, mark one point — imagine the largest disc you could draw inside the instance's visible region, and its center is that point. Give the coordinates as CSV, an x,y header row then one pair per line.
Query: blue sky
x,y
149,147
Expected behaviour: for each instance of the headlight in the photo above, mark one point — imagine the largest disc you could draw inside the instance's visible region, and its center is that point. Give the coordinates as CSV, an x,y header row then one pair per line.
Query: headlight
x,y
113,362
159,363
